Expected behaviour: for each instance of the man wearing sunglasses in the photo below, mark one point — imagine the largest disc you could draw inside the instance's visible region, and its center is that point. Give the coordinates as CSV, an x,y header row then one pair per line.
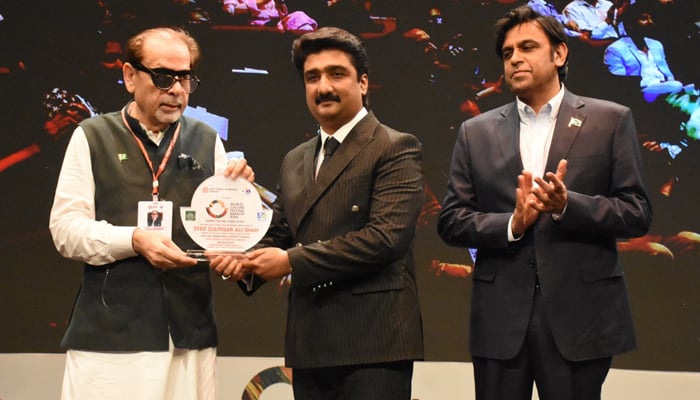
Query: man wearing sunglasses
x,y
142,326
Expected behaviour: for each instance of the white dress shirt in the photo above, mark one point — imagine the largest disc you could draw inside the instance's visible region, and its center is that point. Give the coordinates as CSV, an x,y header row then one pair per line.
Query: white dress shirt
x,y
339,135
536,132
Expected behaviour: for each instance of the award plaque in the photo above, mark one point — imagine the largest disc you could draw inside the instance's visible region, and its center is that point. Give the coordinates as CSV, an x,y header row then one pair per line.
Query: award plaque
x,y
226,216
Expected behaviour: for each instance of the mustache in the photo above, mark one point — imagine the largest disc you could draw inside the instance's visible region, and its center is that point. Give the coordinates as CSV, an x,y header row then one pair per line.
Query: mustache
x,y
175,99
327,97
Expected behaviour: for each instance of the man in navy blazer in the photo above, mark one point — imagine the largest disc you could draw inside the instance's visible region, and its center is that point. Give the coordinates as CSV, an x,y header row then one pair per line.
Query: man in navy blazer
x,y
343,227
544,187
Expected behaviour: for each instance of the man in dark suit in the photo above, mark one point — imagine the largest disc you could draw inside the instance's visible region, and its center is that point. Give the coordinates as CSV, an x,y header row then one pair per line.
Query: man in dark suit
x,y
345,233
543,187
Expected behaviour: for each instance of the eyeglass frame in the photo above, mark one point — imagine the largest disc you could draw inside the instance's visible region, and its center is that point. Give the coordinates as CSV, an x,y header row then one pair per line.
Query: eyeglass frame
x,y
176,76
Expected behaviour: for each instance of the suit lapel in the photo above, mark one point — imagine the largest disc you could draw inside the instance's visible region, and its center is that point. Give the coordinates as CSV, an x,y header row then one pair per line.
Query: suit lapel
x,y
507,132
309,161
354,142
569,122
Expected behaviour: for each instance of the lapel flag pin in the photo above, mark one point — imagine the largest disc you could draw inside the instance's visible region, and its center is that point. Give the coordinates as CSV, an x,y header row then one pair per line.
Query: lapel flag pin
x,y
575,122
121,157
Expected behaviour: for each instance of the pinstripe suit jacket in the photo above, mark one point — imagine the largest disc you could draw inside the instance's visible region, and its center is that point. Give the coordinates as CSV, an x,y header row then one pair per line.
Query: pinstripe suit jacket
x,y
349,235
582,282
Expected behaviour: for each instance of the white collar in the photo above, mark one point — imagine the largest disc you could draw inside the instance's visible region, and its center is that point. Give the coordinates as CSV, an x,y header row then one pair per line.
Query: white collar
x,y
343,131
554,104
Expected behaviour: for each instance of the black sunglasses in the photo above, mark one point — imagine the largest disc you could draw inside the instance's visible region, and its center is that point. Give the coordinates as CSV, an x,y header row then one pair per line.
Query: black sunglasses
x,y
164,79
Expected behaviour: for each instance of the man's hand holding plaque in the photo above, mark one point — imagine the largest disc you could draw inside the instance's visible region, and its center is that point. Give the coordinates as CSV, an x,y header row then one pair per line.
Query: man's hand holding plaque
x,y
226,218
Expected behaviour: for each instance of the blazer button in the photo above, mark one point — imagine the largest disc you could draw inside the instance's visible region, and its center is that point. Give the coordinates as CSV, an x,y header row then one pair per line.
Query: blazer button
x,y
298,244
355,208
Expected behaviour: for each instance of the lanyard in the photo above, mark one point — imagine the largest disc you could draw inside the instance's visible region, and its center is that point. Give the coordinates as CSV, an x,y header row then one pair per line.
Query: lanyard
x,y
163,162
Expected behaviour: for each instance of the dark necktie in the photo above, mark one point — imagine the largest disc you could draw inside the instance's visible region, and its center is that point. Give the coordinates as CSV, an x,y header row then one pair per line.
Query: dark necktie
x,y
329,147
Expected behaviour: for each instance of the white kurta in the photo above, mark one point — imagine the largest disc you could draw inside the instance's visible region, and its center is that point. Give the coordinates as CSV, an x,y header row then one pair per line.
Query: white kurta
x,y
173,375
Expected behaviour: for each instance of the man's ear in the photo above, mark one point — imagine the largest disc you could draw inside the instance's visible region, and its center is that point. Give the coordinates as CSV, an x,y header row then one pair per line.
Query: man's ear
x,y
364,84
129,73
561,53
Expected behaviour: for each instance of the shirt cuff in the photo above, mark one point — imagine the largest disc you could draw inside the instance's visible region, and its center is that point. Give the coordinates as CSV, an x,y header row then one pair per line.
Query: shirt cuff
x,y
511,236
122,243
556,216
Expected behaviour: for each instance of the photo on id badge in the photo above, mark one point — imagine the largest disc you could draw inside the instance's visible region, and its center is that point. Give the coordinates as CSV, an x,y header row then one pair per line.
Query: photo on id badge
x,y
156,216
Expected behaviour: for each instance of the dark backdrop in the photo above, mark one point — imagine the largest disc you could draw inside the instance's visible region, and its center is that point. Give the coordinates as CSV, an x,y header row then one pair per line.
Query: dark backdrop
x,y
433,65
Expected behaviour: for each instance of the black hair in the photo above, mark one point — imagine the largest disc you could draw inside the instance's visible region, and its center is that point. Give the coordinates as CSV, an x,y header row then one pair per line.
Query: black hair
x,y
552,28
331,38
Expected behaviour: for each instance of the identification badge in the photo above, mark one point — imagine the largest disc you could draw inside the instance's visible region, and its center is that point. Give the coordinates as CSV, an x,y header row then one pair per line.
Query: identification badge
x,y
156,216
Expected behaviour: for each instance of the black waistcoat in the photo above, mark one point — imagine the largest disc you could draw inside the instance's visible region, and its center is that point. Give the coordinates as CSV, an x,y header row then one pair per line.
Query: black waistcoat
x,y
128,305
